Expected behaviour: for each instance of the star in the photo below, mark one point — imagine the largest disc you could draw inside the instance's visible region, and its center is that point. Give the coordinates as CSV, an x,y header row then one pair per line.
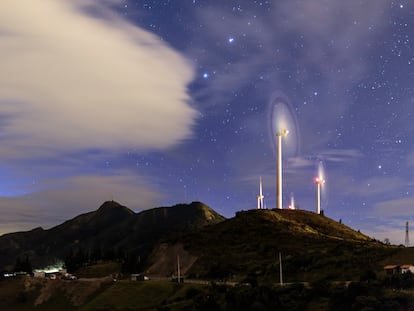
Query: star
x,y
350,94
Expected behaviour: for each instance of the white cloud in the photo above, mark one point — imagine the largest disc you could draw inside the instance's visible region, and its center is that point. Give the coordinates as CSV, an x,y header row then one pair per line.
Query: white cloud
x,y
77,77
72,81
410,158
371,189
339,155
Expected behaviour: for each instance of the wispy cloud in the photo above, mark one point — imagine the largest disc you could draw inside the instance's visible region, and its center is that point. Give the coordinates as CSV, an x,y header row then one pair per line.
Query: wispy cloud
x,y
339,155
410,159
391,229
313,50
395,208
55,200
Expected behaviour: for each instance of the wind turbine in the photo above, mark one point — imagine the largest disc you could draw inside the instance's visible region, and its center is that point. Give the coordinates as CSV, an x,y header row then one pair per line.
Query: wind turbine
x,y
319,181
279,135
260,197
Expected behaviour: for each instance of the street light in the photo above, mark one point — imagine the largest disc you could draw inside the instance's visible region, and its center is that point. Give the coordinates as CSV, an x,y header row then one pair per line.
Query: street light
x,y
279,135
318,181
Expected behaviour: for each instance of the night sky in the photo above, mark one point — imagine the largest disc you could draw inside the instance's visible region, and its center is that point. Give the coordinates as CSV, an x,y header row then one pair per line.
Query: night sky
x,y
154,103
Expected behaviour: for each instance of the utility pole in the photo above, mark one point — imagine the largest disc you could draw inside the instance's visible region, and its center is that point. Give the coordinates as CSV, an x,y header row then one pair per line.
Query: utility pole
x,y
178,269
280,269
407,238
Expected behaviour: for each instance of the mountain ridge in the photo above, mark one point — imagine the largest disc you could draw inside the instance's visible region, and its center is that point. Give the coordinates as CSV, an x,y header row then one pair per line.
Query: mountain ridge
x,y
209,246
111,226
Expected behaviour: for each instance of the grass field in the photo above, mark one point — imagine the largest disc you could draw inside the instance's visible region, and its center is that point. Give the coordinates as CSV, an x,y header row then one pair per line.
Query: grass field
x,y
120,295
126,295
165,295
101,269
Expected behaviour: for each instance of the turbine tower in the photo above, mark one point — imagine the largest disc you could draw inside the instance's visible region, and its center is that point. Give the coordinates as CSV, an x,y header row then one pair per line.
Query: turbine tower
x,y
260,197
279,135
318,181
407,238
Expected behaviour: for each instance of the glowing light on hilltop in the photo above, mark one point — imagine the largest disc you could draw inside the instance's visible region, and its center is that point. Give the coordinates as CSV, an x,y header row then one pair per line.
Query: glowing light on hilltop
x,y
319,181
292,202
321,173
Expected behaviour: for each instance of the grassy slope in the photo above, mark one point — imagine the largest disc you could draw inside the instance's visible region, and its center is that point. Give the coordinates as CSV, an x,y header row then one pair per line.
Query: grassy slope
x,y
12,294
99,270
144,296
163,295
403,255
122,295
312,246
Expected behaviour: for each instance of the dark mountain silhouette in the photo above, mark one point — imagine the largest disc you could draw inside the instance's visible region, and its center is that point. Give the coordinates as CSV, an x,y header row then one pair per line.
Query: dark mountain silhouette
x,y
320,256
210,246
111,228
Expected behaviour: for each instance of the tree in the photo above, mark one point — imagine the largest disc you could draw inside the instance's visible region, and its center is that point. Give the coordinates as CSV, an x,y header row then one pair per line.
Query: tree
x,y
368,275
75,259
23,265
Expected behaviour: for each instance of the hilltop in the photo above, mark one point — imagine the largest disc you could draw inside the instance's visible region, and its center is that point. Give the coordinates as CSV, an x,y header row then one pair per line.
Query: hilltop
x,y
312,247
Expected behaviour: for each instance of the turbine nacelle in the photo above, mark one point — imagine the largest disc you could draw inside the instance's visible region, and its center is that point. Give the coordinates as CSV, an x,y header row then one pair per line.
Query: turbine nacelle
x,y
283,132
319,181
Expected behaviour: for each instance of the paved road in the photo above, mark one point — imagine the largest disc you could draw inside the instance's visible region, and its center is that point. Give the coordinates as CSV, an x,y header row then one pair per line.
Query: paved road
x,y
193,281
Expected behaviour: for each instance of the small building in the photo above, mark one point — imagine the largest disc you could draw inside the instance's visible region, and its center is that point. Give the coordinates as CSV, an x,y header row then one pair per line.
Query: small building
x,y
39,274
9,275
139,277
392,269
69,276
63,271
407,269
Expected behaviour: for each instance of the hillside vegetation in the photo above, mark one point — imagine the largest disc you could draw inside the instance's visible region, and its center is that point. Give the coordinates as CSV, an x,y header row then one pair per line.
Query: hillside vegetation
x,y
326,265
312,247
101,294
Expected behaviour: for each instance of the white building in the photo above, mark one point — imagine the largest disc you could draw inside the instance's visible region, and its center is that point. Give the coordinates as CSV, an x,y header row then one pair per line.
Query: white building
x,y
407,269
